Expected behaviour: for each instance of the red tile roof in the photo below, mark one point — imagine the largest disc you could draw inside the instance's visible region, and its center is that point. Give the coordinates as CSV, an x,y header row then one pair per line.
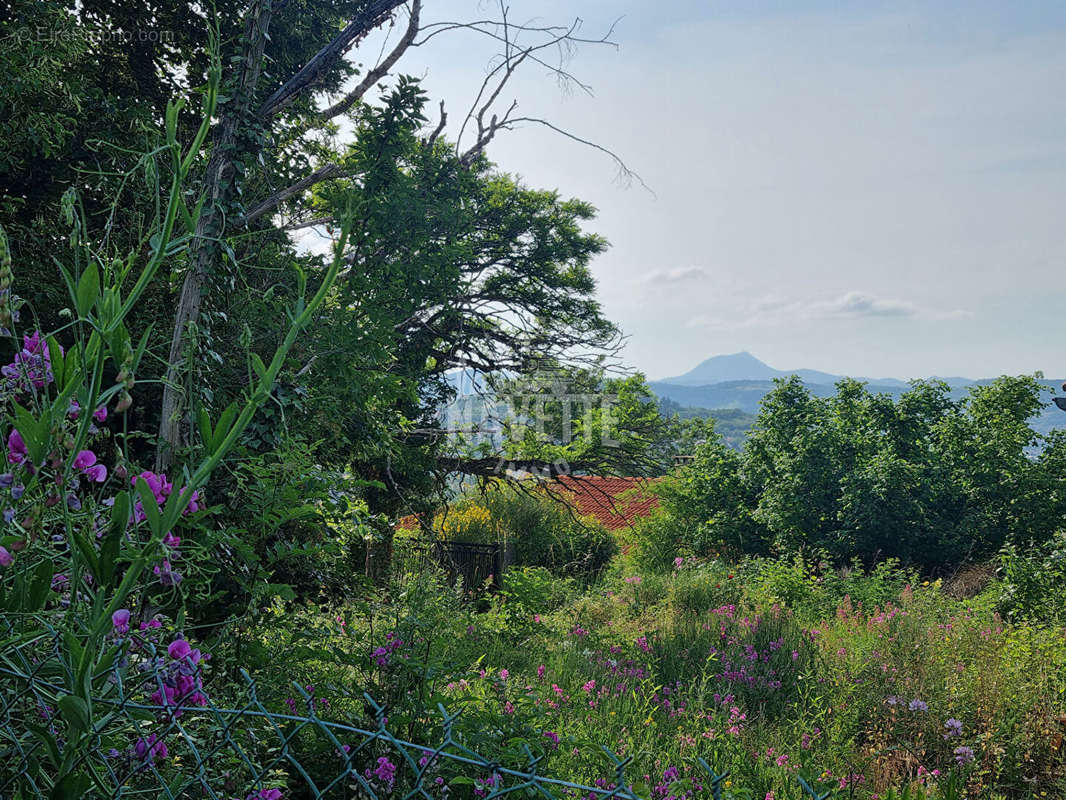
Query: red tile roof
x,y
614,502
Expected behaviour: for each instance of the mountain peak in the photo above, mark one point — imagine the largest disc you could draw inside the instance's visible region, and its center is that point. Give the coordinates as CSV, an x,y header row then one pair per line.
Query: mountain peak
x,y
742,366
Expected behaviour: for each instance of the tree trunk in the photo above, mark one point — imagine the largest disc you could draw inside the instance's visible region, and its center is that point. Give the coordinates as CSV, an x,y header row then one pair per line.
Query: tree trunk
x,y
230,143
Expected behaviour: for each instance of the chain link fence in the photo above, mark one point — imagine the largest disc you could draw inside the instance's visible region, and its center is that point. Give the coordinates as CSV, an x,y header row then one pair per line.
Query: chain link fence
x,y
151,730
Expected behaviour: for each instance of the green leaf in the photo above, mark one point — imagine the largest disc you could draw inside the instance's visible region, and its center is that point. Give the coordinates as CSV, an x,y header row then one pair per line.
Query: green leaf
x,y
151,508
257,364
34,432
40,587
88,552
55,354
204,422
141,347
223,426
76,712
109,547
88,290
73,785
47,739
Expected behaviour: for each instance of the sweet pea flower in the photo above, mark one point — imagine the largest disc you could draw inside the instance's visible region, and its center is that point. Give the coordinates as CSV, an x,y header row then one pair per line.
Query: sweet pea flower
x,y
151,748
16,447
121,620
5,557
166,574
85,462
179,649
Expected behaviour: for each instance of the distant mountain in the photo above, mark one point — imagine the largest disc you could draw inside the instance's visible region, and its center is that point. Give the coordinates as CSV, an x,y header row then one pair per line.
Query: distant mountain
x,y
746,395
746,367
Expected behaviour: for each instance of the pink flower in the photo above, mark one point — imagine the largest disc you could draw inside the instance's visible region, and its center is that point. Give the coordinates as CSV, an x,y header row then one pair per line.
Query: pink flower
x,y
85,461
121,620
504,674
540,671
16,447
84,458
151,748
179,649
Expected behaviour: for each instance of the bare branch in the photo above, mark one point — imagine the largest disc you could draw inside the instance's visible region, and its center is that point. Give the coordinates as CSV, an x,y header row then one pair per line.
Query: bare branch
x,y
309,223
625,173
375,12
378,72
330,170
440,126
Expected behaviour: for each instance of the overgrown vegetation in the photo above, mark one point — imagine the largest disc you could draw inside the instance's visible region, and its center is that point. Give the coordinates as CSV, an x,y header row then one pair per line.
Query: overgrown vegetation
x,y
866,595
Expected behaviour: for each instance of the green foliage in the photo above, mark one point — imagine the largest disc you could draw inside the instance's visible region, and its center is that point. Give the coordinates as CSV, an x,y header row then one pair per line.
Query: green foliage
x,y
535,590
656,540
1034,580
584,421
292,529
540,531
732,424
661,667
925,479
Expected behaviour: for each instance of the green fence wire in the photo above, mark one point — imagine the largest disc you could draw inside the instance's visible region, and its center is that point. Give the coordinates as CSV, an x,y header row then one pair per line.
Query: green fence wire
x,y
188,747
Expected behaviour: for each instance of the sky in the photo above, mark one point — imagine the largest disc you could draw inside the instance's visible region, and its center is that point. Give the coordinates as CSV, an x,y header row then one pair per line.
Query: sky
x,y
866,188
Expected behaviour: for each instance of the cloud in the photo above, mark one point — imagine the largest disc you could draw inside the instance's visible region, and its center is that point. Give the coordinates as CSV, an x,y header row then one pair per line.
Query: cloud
x,y
772,311
676,275
858,304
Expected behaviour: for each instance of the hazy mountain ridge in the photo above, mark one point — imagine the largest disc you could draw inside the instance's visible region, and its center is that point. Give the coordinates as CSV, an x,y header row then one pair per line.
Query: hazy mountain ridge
x,y
743,380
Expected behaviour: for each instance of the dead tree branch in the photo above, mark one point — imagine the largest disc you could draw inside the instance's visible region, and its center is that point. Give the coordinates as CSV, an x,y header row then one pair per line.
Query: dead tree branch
x,y
375,12
378,72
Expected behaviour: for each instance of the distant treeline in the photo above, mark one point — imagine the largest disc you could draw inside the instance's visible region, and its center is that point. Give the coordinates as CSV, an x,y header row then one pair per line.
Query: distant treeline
x,y
732,424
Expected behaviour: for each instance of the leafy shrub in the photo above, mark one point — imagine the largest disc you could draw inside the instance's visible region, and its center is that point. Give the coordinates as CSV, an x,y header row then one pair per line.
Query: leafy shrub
x,y
540,531
293,529
1034,584
699,588
925,479
656,540
813,588
535,589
